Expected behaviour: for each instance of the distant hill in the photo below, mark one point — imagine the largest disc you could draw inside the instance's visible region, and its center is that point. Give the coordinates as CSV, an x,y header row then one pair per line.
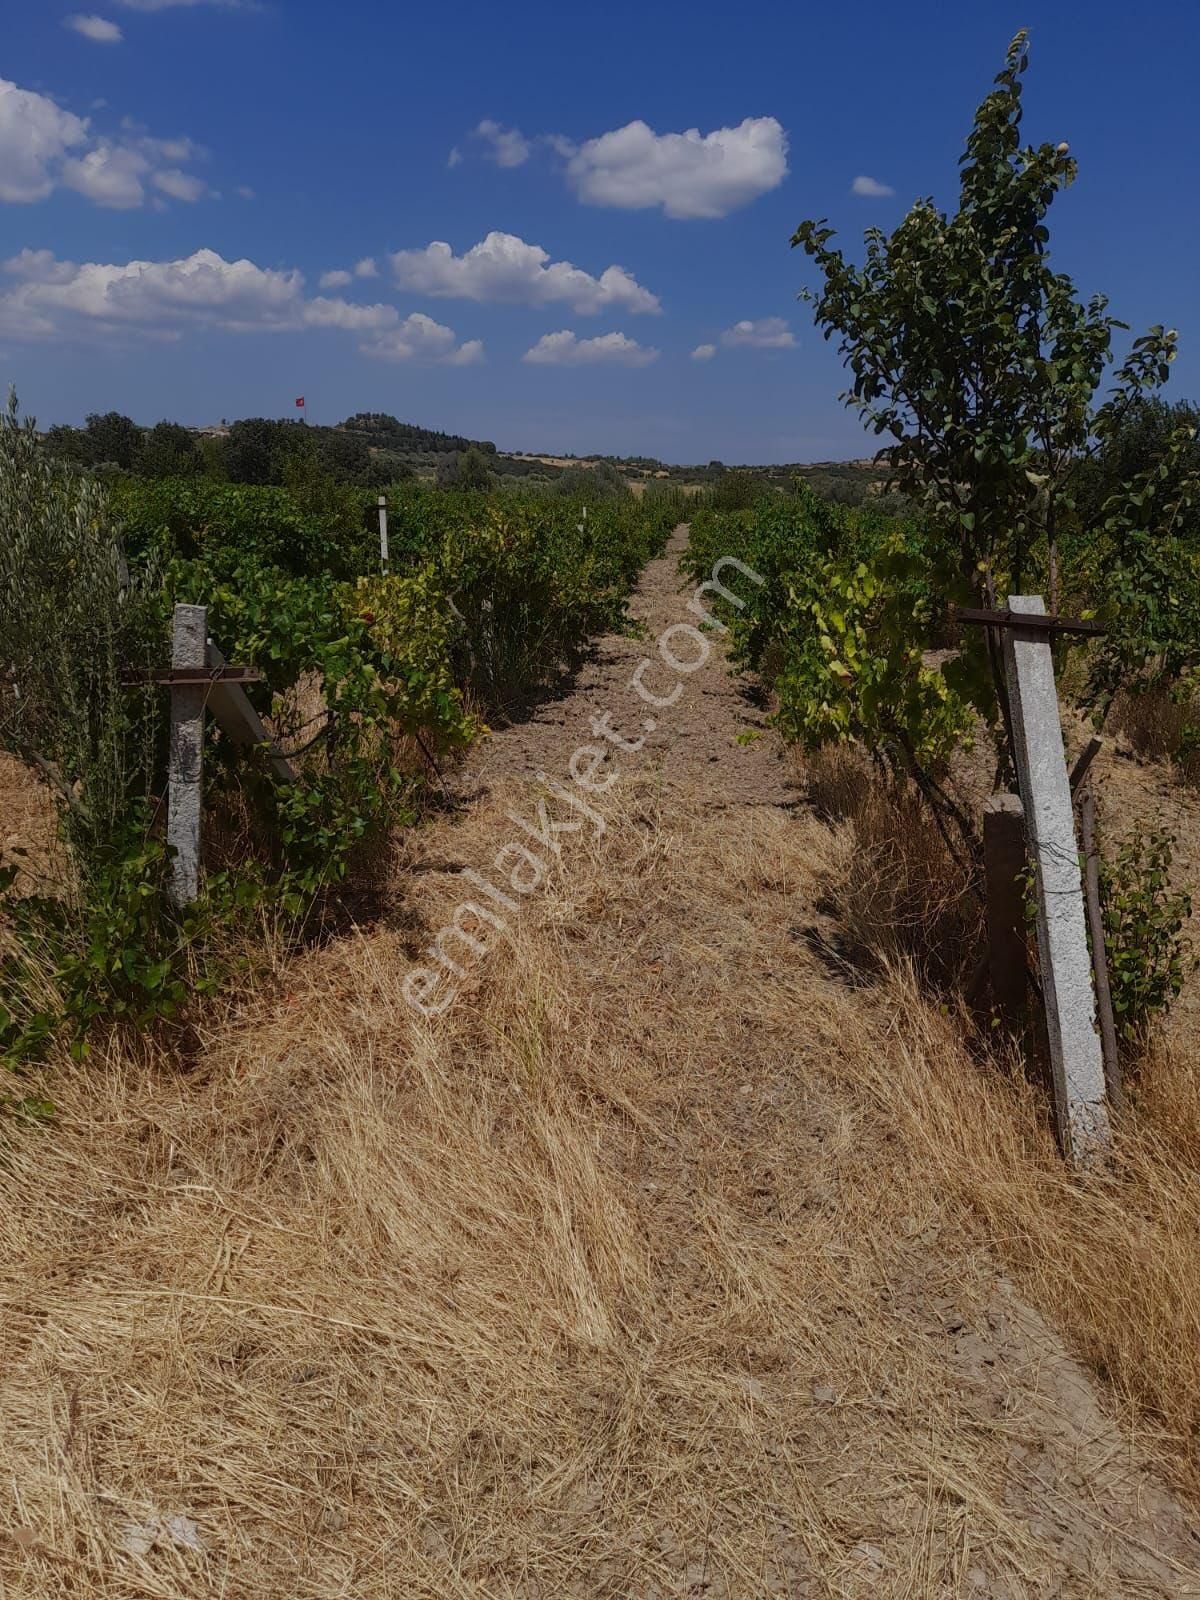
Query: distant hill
x,y
373,448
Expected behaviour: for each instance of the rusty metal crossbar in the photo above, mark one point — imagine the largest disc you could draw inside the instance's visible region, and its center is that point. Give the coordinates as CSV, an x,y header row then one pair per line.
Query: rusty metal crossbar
x,y
1036,622
192,677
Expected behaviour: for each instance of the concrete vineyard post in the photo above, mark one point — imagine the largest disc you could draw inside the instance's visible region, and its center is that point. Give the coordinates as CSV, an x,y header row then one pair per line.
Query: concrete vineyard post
x,y
1077,1070
189,650
383,533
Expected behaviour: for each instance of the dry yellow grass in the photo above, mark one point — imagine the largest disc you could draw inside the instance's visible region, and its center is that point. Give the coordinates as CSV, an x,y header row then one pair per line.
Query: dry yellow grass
x,y
674,1259
650,1269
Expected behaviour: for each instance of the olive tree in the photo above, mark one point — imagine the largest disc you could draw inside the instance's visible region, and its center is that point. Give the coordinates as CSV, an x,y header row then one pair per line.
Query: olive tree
x,y
66,615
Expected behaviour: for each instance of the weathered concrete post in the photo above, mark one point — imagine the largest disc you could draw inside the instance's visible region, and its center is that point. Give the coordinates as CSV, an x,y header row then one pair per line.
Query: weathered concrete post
x,y
189,650
1004,862
383,534
1077,1070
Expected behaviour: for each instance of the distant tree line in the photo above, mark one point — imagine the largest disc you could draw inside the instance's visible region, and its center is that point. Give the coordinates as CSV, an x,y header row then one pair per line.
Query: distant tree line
x,y
366,451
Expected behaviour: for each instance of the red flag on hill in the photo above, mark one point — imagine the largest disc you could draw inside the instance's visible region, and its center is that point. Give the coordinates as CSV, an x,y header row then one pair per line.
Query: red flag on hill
x,y
300,402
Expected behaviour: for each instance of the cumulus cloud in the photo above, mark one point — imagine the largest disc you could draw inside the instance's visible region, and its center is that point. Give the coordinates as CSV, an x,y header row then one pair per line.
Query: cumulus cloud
x,y
871,188
366,268
163,299
767,333
180,185
155,296
503,267
98,29
43,147
35,137
507,147
687,174
336,280
455,158
704,352
110,175
563,349
420,337
334,313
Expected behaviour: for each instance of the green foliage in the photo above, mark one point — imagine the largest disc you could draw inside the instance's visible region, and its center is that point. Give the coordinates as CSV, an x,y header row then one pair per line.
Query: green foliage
x,y
491,592
983,366
840,624
1144,921
169,451
312,527
467,470
70,619
736,491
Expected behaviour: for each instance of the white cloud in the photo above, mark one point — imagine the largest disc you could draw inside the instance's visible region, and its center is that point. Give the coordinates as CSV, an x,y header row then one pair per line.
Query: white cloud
x,y
35,137
43,147
468,354
563,349
871,188
507,147
244,192
110,175
98,29
767,333
455,158
687,174
341,277
40,266
704,352
419,337
503,267
155,295
163,299
180,185
327,313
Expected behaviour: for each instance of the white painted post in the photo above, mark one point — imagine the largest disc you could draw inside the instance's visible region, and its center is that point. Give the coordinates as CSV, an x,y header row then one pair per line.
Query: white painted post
x,y
383,534
1077,1067
186,754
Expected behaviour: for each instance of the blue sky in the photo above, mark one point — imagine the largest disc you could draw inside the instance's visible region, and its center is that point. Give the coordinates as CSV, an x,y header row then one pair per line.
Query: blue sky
x,y
243,151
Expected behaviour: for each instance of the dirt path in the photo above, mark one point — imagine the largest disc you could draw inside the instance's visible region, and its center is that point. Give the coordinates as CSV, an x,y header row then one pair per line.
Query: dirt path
x,y
620,1277
692,741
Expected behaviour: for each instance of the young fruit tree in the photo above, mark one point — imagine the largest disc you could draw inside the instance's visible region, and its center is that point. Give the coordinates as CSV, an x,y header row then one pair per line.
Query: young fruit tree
x,y
984,367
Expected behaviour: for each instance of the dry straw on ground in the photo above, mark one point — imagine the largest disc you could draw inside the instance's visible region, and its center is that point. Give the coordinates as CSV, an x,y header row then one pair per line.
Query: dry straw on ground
x,y
653,1268
667,1262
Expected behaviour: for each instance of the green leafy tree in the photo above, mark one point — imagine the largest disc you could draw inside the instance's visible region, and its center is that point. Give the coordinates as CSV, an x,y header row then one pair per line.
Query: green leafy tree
x,y
168,451
983,366
113,439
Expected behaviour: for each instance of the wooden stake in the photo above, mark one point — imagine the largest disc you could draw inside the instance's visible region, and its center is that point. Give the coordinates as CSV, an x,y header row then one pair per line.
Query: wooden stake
x,y
186,754
1095,917
1005,860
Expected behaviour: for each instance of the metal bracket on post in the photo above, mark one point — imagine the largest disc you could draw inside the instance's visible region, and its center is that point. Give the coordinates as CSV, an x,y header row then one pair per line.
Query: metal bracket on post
x,y
198,677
